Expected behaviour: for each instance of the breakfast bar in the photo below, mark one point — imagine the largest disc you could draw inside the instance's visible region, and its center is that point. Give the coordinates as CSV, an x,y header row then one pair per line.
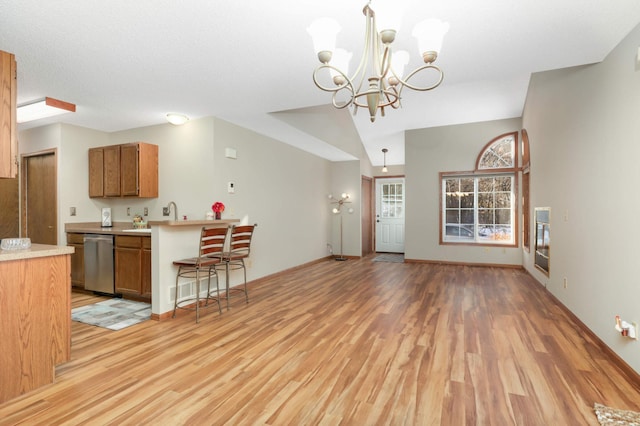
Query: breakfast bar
x,y
172,240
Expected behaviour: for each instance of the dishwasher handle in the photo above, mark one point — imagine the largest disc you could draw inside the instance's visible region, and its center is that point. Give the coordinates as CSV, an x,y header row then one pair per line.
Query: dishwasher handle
x,y
98,237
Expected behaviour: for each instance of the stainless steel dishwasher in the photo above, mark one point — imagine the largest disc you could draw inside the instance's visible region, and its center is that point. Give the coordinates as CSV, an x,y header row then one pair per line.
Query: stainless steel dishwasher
x,y
98,263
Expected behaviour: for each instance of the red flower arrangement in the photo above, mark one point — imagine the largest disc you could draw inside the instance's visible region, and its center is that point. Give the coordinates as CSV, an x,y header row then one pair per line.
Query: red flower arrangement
x,y
217,207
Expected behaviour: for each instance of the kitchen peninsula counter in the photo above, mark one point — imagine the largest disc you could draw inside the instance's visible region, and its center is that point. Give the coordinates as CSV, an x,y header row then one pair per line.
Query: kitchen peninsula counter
x,y
35,312
170,240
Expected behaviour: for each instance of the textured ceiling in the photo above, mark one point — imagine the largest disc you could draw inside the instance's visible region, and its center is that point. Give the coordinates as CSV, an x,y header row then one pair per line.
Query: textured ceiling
x,y
125,64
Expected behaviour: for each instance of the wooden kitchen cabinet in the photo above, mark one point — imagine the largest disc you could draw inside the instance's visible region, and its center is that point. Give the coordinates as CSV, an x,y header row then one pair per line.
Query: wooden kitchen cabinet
x,y
104,171
132,266
127,170
77,259
8,124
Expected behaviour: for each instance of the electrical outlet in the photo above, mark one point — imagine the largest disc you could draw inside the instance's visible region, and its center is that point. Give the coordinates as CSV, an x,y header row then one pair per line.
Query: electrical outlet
x,y
128,211
165,211
72,211
146,211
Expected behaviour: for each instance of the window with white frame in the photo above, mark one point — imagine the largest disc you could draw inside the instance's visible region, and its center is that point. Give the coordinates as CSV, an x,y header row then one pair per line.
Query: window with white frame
x,y
479,207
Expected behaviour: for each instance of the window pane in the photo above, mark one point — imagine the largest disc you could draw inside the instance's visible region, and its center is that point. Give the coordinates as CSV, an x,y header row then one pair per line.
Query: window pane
x,y
466,185
503,216
453,216
503,200
466,201
499,155
466,216
503,183
485,200
452,185
485,184
453,201
485,217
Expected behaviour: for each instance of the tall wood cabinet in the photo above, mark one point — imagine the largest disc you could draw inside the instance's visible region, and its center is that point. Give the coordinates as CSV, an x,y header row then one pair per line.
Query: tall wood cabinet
x,y
127,170
8,125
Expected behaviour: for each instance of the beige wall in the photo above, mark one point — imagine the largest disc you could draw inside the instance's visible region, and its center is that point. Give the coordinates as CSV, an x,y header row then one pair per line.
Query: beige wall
x,y
446,149
582,124
281,188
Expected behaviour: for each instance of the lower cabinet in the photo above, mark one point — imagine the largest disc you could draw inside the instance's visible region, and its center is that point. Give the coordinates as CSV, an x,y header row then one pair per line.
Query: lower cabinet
x,y
133,266
77,259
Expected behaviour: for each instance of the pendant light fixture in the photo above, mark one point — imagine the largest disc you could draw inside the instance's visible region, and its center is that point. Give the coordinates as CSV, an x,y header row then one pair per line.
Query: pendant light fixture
x,y
384,162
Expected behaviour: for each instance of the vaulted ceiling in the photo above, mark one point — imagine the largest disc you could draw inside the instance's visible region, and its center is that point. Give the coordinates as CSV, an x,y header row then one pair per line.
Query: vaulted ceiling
x,y
125,64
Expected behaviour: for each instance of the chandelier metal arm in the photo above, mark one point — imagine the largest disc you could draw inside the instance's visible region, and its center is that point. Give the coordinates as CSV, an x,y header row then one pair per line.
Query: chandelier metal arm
x,y
346,85
404,82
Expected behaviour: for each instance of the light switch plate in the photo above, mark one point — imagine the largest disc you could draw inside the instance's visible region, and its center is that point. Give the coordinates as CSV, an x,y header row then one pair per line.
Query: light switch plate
x,y
231,188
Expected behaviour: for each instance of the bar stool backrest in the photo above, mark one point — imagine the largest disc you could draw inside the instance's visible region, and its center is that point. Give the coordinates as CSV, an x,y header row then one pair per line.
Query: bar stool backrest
x,y
240,245
212,243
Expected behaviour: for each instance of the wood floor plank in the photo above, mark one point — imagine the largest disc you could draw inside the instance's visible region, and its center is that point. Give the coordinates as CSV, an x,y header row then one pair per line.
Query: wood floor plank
x,y
353,343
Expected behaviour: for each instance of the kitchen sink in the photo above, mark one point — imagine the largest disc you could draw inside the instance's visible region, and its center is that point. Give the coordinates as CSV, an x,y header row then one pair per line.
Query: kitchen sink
x,y
140,230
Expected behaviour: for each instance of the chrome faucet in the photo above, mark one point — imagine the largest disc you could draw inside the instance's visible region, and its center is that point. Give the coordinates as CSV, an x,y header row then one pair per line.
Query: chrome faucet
x,y
175,209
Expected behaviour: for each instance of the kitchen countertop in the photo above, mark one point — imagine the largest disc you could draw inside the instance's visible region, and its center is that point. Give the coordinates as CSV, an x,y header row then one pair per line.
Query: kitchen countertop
x,y
193,222
126,228
36,250
118,228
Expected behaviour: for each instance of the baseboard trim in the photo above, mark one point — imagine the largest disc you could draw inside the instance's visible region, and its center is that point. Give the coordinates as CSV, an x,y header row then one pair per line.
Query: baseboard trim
x,y
446,262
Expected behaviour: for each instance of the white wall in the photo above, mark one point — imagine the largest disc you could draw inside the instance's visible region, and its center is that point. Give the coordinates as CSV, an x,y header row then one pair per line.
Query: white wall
x,y
446,149
582,124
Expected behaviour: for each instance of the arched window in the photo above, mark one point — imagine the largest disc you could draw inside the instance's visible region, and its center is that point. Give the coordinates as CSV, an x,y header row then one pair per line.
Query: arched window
x,y
479,207
500,153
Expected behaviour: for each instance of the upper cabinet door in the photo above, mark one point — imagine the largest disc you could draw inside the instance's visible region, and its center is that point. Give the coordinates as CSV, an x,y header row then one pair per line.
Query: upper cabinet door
x,y
8,126
96,172
129,169
112,171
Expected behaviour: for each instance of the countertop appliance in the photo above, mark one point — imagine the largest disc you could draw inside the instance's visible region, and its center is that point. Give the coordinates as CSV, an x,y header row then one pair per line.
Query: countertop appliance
x,y
98,263
106,217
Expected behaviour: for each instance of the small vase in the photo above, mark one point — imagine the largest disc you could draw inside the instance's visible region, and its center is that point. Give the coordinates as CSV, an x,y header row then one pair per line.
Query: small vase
x,y
218,215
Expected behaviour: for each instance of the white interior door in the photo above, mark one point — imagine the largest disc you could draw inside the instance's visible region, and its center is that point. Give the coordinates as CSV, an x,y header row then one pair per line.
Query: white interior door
x,y
390,215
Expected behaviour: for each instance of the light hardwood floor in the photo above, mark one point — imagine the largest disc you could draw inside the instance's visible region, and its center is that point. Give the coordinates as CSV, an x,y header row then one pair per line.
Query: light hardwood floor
x,y
354,343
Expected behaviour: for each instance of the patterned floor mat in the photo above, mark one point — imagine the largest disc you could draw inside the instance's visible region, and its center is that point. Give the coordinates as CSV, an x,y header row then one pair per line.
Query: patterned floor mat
x,y
114,314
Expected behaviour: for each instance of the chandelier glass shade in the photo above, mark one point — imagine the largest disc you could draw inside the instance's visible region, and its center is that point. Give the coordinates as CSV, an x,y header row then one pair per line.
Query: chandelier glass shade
x,y
378,80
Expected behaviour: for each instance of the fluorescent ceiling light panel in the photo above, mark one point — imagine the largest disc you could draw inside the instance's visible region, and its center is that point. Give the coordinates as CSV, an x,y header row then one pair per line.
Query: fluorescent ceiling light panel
x,y
47,107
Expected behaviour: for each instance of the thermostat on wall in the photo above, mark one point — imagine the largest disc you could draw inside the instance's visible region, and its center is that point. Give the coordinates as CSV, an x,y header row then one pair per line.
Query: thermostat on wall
x,y
230,153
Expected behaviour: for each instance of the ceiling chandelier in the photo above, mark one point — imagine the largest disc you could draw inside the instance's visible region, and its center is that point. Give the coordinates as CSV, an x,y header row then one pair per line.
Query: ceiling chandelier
x,y
379,66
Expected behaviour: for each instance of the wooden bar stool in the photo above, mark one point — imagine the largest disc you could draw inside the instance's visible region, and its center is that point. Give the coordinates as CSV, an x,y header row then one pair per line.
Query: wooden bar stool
x,y
239,250
210,254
